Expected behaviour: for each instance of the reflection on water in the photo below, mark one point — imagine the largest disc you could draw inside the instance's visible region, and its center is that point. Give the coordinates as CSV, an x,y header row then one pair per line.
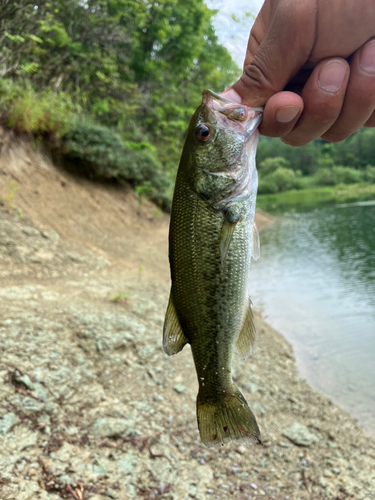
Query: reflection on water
x,y
315,281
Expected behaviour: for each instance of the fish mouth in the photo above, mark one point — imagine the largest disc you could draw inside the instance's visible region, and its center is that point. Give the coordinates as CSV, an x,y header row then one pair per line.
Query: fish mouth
x,y
248,117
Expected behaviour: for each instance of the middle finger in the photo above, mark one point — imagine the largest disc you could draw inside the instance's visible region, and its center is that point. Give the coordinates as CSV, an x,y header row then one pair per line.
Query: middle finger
x,y
323,97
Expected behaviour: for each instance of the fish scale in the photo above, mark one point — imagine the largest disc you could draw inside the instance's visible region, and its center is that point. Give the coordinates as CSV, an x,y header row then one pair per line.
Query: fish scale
x,y
210,248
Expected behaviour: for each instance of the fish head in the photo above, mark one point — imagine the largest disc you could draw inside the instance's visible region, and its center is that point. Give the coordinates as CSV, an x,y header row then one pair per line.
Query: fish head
x,y
221,139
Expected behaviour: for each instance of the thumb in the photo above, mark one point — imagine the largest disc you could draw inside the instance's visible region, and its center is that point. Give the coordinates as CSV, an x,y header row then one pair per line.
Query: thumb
x,y
280,43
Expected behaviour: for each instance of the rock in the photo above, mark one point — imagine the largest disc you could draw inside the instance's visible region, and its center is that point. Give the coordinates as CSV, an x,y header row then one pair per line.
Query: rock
x,y
51,235
242,450
31,404
111,493
299,435
179,388
254,486
250,387
258,408
8,421
24,379
323,482
41,256
111,427
30,231
156,397
327,473
75,257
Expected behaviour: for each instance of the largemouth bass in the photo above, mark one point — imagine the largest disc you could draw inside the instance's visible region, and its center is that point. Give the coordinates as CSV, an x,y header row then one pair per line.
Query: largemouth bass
x,y
211,241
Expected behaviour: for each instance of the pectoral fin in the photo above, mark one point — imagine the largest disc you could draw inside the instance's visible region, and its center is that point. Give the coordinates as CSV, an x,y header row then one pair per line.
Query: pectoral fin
x,y
174,338
255,251
226,235
246,338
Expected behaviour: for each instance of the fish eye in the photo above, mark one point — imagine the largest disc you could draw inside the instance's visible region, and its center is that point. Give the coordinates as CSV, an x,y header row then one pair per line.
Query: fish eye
x,y
203,133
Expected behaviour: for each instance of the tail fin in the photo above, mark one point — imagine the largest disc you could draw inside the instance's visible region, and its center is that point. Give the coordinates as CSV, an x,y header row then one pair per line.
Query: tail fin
x,y
228,419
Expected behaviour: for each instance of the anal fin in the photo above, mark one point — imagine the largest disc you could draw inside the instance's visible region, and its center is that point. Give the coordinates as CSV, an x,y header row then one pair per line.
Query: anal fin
x,y
174,338
246,338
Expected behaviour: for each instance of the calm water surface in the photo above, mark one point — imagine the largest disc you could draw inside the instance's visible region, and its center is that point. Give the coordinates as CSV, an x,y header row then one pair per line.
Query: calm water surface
x,y
315,283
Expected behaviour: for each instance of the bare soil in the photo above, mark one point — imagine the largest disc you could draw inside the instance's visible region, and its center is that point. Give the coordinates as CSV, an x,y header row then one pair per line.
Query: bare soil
x,y
91,408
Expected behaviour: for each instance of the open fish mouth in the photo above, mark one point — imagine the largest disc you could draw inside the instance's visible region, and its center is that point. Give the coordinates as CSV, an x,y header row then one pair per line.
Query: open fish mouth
x,y
248,117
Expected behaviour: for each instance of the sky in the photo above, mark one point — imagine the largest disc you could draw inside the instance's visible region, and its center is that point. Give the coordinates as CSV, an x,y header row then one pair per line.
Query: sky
x,y
234,34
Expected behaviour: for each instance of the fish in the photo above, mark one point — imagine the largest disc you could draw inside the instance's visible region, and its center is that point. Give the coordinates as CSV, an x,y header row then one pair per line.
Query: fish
x,y
212,237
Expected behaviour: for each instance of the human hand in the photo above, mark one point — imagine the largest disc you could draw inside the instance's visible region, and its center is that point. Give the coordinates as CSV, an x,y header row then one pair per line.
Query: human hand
x,y
312,64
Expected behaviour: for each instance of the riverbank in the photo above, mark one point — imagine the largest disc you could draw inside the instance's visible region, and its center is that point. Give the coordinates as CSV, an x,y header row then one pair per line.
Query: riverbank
x,y
92,409
315,197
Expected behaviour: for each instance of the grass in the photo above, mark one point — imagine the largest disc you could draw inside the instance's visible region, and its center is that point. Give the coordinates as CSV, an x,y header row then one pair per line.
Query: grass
x,y
312,196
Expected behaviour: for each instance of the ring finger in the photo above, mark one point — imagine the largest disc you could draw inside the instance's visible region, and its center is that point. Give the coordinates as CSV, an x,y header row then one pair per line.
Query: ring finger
x,y
359,97
323,96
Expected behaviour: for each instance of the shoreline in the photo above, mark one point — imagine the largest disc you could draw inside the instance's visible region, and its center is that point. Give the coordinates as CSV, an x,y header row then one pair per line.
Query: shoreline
x,y
91,401
305,368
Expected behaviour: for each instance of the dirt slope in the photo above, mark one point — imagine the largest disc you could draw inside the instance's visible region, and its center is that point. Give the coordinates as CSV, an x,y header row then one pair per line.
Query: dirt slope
x,y
91,408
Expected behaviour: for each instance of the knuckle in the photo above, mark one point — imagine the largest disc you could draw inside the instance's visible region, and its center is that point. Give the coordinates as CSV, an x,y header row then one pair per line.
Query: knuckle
x,y
294,141
255,76
336,136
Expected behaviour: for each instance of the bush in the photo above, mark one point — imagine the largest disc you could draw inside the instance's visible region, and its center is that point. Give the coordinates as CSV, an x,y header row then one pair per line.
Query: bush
x,y
269,165
369,174
281,179
40,114
100,153
338,175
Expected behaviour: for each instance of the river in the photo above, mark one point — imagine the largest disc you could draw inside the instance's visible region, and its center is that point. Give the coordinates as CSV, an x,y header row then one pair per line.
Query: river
x,y
315,283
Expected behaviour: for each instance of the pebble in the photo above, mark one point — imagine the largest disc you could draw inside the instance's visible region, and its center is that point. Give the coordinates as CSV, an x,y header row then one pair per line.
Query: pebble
x,y
254,486
112,493
111,427
24,379
8,421
156,397
323,482
299,435
259,408
179,388
30,231
242,450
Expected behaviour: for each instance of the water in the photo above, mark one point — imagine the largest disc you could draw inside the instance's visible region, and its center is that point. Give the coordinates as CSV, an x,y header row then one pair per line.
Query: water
x,y
315,282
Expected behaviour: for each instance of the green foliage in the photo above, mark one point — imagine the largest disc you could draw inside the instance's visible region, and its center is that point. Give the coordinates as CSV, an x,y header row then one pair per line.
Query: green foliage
x,y
136,67
99,152
40,114
369,174
9,192
338,175
282,179
304,158
269,165
309,199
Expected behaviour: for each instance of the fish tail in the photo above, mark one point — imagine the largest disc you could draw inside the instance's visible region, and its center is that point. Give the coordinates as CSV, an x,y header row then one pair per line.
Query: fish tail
x,y
226,419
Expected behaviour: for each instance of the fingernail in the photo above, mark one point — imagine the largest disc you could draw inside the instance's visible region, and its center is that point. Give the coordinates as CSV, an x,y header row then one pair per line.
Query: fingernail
x,y
367,57
332,76
232,95
286,114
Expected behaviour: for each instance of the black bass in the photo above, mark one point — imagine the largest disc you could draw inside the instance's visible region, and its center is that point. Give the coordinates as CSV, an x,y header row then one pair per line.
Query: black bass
x,y
211,241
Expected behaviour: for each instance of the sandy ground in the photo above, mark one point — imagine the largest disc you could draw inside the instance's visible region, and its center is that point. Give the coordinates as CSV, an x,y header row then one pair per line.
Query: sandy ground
x,y
91,408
